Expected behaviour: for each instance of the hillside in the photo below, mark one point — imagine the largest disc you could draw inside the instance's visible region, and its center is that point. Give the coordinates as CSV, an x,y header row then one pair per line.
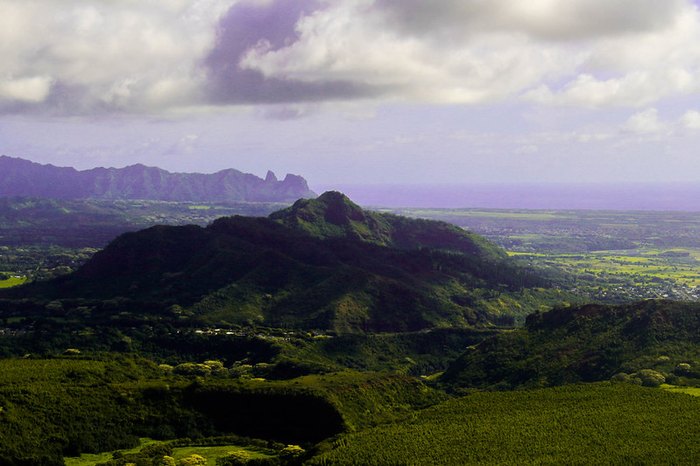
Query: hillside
x,y
333,215
77,405
576,424
19,177
589,343
399,275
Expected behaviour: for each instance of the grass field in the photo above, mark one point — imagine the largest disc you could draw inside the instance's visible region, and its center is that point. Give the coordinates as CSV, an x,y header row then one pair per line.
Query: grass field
x,y
641,265
12,281
216,452
91,459
694,391
210,453
579,424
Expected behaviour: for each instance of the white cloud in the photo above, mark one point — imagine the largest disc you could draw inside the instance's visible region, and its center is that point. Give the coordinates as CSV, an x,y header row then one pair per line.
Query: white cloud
x,y
31,89
334,45
645,122
636,69
136,55
635,89
590,53
691,119
82,56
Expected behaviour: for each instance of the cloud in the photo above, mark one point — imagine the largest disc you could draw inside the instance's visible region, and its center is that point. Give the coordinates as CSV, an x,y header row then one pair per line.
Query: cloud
x,y
550,20
332,45
86,57
691,119
266,26
81,56
30,89
590,53
645,122
635,89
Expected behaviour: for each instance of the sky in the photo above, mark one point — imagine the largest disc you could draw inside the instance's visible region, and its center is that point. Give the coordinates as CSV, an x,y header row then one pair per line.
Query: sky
x,y
349,92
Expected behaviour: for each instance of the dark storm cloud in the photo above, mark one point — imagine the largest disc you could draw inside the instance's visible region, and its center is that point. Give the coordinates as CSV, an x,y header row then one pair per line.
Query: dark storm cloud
x,y
247,25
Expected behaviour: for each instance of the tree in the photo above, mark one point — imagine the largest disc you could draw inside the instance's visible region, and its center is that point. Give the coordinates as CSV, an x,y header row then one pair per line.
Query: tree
x,y
234,458
651,378
193,460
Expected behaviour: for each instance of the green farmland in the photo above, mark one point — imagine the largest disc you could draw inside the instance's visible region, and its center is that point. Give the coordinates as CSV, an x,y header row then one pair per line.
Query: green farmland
x,y
602,255
629,274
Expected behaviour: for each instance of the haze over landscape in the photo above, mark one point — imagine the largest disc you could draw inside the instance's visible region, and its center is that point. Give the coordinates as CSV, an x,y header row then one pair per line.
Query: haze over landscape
x,y
359,92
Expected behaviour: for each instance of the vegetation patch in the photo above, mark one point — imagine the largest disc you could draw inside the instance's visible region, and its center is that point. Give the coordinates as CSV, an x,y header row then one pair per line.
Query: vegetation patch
x,y
647,343
11,281
577,424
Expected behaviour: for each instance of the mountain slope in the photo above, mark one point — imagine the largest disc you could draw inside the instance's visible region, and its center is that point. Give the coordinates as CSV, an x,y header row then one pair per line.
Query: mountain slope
x,y
334,215
588,343
20,177
260,270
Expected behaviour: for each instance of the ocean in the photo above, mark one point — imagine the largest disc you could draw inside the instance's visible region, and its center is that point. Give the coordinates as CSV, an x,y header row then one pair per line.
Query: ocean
x,y
656,197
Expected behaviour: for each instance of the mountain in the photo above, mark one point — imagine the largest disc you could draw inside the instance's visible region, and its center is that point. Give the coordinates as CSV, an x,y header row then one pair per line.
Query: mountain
x,y
586,344
333,215
19,177
321,264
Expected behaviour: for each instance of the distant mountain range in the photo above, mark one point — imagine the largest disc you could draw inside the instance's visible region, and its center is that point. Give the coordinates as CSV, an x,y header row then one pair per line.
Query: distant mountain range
x,y
322,263
19,177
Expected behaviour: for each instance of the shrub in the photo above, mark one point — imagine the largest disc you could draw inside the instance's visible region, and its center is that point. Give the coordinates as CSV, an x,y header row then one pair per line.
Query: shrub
x,y
620,377
190,368
216,367
683,368
234,458
193,460
157,450
292,451
650,377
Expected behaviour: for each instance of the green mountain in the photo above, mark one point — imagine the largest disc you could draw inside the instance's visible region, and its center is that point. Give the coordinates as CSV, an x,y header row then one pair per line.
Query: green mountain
x,y
333,215
589,343
321,264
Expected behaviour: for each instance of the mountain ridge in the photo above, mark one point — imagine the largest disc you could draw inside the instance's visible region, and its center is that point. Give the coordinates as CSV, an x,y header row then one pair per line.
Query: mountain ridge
x,y
245,270
587,343
21,177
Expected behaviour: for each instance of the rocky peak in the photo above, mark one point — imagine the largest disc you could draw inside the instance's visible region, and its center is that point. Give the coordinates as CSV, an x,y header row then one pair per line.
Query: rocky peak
x,y
270,177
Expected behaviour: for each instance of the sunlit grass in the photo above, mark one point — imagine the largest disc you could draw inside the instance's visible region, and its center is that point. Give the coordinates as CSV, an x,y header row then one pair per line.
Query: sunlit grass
x,y
641,265
91,459
215,452
695,391
12,281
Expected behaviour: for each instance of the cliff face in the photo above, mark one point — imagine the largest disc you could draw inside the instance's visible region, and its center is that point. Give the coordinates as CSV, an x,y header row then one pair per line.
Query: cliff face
x,y
19,177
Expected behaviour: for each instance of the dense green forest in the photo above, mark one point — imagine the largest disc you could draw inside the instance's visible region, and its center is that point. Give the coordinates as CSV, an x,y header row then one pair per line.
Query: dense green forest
x,y
84,404
576,424
591,343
